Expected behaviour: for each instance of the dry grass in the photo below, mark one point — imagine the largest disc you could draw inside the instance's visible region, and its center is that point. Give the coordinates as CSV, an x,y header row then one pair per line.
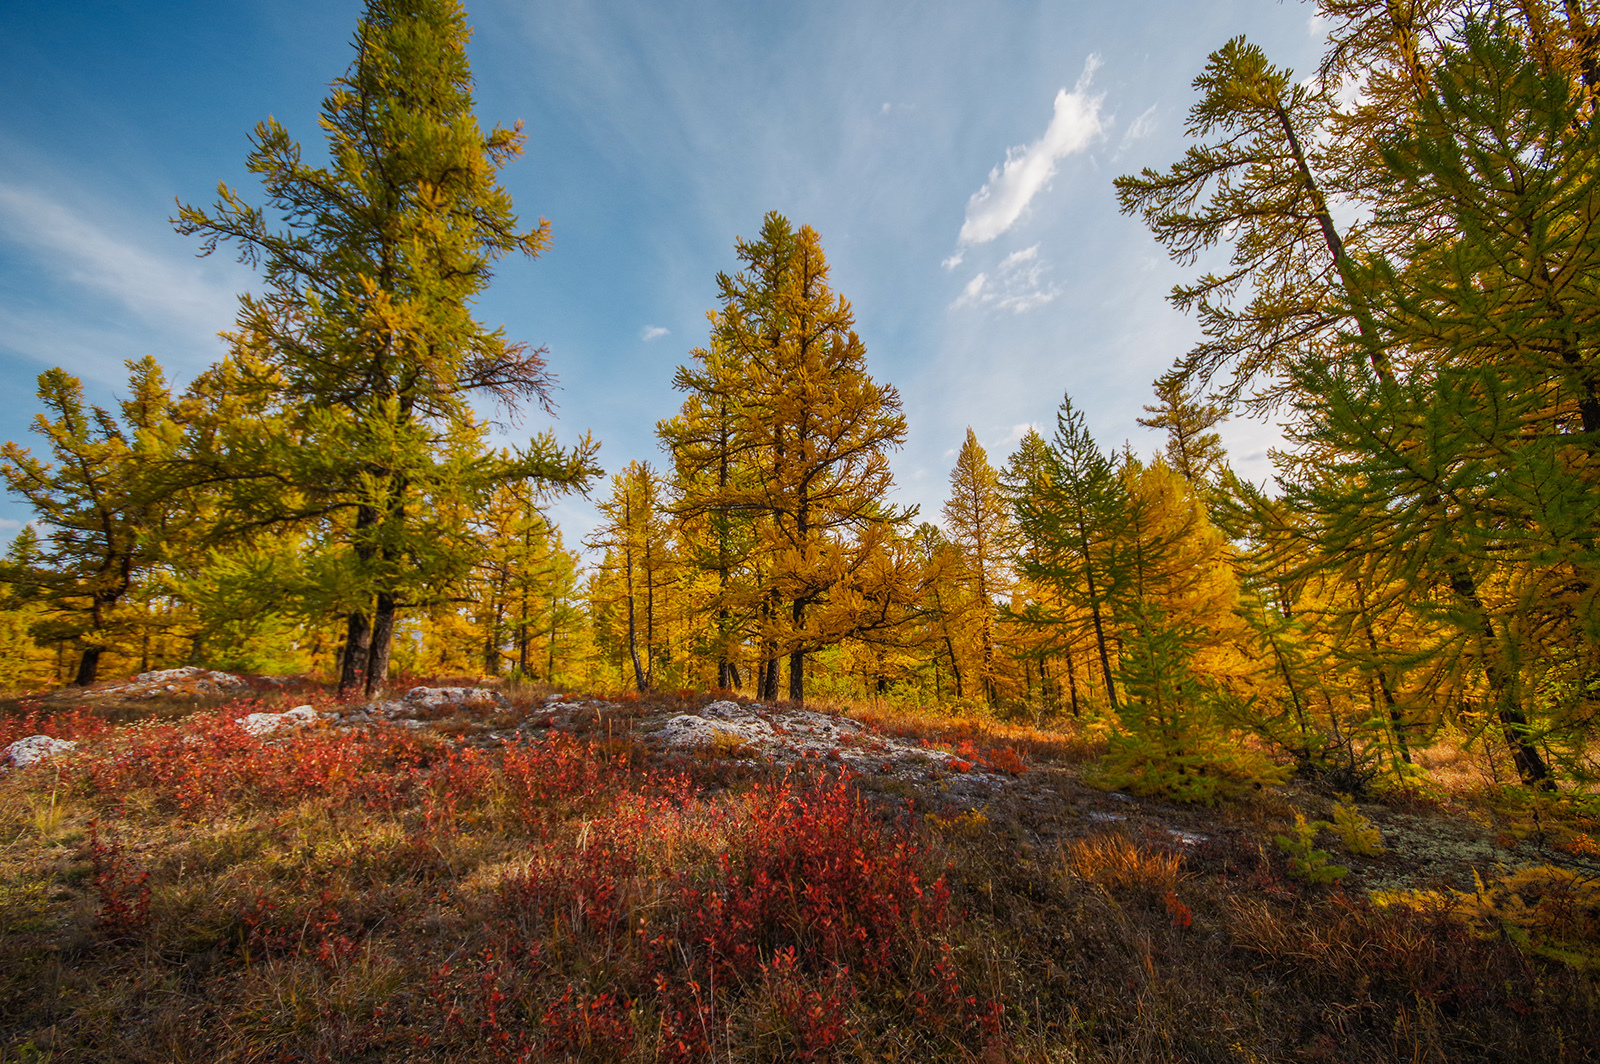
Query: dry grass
x,y
184,892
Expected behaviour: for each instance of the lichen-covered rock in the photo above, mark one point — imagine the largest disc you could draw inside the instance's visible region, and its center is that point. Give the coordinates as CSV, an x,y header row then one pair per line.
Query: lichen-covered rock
x,y
188,680
263,724
35,748
442,697
690,730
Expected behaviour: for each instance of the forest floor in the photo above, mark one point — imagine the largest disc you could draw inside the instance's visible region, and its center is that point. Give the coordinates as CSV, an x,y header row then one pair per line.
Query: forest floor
x,y
697,877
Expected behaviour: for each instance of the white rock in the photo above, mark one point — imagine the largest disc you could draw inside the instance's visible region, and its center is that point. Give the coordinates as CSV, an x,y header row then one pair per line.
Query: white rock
x,y
260,724
35,748
690,730
438,697
188,679
190,673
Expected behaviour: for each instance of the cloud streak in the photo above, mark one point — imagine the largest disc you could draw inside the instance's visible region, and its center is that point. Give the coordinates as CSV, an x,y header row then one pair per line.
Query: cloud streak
x,y
1028,168
151,286
1019,284
653,332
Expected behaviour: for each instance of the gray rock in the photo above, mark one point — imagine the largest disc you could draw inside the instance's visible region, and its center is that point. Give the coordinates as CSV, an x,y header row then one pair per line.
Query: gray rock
x,y
35,748
440,697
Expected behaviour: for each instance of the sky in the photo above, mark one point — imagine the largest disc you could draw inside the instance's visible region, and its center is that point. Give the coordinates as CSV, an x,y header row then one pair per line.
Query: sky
x,y
955,157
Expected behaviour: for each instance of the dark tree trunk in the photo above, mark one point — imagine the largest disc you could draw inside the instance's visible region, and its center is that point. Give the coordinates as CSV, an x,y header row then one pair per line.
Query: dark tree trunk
x,y
88,666
797,677
382,644
357,647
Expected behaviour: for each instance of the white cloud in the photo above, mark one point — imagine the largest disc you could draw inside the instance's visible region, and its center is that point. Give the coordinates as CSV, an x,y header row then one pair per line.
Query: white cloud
x,y
953,261
653,332
1076,124
1140,128
188,294
1016,258
1019,284
8,525
973,292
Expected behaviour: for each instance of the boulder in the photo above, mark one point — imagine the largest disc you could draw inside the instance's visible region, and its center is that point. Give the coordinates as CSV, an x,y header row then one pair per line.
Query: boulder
x,y
35,748
187,680
263,724
445,697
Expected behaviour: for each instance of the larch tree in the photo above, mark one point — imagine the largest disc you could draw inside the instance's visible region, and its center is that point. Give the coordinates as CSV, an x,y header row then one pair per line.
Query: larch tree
x,y
1193,450
1263,183
813,431
638,557
979,520
1066,494
365,342
710,475
97,506
1472,482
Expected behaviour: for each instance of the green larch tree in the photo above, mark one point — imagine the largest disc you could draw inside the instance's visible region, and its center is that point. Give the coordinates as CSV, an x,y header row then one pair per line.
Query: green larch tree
x,y
99,510
365,342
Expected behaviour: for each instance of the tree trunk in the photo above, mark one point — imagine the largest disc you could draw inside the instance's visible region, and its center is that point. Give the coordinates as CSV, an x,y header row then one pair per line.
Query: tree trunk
x,y
1072,683
88,666
797,677
1531,769
382,644
357,647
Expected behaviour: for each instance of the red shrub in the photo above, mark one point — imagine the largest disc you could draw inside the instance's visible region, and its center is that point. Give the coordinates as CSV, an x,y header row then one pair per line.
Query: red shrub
x,y
76,724
209,762
124,895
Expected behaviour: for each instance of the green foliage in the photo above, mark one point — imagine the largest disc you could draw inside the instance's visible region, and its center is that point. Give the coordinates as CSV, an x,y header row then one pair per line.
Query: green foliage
x,y
102,515
1356,833
1170,742
1305,860
360,363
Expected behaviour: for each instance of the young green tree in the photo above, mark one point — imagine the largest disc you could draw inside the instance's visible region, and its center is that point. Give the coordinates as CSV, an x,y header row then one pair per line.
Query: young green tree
x,y
1067,498
98,508
365,347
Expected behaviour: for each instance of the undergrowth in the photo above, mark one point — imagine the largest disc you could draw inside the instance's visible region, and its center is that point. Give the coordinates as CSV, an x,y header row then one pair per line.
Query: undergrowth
x,y
182,890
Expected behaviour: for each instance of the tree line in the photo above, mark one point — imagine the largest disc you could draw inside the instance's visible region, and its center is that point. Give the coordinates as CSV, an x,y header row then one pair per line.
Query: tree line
x,y
1399,263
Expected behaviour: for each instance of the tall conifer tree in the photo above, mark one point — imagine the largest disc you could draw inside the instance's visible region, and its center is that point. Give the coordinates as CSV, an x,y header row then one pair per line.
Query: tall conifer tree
x,y
365,339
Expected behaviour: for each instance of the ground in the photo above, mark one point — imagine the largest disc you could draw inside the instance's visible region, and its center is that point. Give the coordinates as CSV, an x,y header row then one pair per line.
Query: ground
x,y
349,881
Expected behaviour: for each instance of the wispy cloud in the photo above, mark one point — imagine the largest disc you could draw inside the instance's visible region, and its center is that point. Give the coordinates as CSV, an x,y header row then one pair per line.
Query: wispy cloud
x,y
653,332
170,291
1019,284
1017,258
1139,129
972,294
1009,444
953,261
1076,124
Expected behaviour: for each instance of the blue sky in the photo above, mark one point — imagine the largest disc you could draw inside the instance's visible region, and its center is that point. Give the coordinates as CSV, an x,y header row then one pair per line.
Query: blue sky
x,y
955,157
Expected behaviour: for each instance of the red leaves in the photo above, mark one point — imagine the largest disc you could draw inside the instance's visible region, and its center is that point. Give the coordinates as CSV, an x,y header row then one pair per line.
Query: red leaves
x,y
124,895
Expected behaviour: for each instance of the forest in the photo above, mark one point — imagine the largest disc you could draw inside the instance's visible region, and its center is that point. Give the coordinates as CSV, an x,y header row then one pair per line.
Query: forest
x,y
1059,773
1401,273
